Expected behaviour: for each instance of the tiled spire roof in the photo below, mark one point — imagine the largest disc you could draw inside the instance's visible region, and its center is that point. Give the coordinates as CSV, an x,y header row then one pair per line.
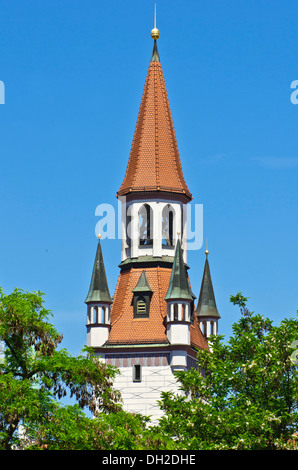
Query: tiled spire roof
x,y
206,303
99,290
154,162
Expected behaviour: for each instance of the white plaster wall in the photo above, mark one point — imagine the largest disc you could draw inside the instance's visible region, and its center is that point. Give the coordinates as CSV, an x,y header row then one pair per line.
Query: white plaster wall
x,y
141,397
178,333
179,359
97,335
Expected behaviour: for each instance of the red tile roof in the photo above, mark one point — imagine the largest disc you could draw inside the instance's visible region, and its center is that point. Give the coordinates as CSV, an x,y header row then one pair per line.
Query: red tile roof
x,y
125,329
154,162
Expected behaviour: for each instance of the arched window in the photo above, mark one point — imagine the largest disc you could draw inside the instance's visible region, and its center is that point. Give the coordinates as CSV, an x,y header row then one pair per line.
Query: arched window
x,y
183,312
145,225
95,313
103,312
175,312
167,225
204,328
128,225
212,328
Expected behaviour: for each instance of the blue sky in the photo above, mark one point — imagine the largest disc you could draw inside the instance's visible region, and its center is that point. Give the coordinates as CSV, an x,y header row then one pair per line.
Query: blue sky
x,y
74,72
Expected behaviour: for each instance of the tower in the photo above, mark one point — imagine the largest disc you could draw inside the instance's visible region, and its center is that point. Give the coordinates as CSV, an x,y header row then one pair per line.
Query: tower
x,y
153,329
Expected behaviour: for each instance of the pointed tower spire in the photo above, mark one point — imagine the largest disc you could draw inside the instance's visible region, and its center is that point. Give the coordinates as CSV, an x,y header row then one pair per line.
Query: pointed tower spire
x,y
154,162
179,287
99,290
207,312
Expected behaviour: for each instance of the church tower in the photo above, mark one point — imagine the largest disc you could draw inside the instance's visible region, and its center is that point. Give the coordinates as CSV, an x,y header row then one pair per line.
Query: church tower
x,y
152,328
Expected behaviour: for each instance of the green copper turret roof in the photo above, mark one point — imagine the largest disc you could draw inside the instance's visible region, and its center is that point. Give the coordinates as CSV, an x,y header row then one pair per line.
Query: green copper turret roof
x,y
143,284
206,304
179,287
99,290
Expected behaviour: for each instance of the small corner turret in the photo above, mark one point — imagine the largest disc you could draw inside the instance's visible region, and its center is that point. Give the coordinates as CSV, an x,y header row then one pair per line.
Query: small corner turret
x,y
180,308
206,311
98,303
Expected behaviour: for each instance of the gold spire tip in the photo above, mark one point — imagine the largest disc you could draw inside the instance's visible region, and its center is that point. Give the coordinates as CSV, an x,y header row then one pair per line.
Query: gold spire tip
x,y
155,32
206,251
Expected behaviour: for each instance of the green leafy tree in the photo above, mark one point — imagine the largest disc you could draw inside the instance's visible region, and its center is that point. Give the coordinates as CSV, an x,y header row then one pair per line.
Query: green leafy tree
x,y
34,374
70,429
243,394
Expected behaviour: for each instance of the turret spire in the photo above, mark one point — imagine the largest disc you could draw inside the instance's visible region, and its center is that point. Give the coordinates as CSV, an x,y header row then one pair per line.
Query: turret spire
x,y
179,287
99,290
206,305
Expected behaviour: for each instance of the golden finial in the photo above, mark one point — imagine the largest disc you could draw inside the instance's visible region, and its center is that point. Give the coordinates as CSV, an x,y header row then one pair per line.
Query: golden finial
x,y
155,32
99,236
206,251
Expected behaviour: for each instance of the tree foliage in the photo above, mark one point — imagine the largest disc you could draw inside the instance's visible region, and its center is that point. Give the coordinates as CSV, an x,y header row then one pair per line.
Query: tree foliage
x,y
70,429
243,394
34,373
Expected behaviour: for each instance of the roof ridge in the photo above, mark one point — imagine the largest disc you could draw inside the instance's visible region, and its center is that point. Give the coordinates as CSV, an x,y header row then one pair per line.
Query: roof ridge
x,y
141,126
139,129
161,304
122,307
156,146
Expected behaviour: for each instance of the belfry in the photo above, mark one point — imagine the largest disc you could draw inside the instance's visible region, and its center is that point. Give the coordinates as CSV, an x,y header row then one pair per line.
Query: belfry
x,y
151,327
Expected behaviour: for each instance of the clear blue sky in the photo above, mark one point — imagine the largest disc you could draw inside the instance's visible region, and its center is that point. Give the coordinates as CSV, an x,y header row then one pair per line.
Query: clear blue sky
x,y
74,72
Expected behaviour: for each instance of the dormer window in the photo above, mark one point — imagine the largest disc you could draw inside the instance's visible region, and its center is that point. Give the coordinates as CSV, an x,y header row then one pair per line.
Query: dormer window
x,y
142,297
141,305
